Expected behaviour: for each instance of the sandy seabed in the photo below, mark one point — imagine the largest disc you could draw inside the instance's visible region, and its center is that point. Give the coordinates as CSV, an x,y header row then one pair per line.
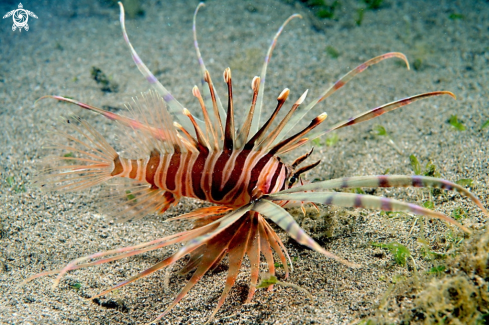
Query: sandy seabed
x,y
44,231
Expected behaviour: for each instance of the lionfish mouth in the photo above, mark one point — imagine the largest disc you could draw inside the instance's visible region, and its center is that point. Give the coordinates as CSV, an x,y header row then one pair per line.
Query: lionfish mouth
x,y
238,169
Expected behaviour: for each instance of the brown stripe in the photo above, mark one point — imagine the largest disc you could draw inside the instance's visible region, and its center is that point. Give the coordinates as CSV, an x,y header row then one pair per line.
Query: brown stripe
x,y
417,181
266,176
446,185
338,84
216,193
385,204
351,121
134,168
206,183
184,174
197,170
153,162
236,173
358,201
238,194
169,198
384,181
284,184
171,172
275,177
239,191
161,172
117,166
255,172
329,200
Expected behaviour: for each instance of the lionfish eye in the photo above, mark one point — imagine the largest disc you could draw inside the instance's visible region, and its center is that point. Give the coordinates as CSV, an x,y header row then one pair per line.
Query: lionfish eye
x,y
292,180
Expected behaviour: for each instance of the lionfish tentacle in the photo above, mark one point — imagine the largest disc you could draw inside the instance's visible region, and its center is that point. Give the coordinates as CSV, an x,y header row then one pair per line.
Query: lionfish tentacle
x,y
219,113
223,223
196,256
216,246
277,246
194,260
256,119
236,250
216,103
201,137
267,142
258,137
152,269
300,159
301,112
229,132
184,237
175,106
373,113
158,266
167,133
287,143
362,201
266,250
122,253
216,231
211,133
245,129
202,213
196,43
285,221
297,173
253,252
130,251
193,144
387,181
293,146
162,265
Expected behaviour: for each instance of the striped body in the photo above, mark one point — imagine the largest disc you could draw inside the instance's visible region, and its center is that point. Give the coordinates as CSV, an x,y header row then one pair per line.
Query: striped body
x,y
237,168
231,178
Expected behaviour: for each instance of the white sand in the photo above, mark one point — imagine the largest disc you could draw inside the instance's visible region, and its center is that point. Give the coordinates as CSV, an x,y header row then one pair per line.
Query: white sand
x,y
40,231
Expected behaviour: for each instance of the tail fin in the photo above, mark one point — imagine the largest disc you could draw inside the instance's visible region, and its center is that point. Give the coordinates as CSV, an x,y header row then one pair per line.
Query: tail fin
x,y
88,160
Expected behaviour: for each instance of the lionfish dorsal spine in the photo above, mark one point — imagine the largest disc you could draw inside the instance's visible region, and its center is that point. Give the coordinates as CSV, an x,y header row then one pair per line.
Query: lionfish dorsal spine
x,y
335,87
380,110
245,129
285,144
258,136
256,120
192,144
210,131
229,132
175,107
210,96
266,143
219,113
203,144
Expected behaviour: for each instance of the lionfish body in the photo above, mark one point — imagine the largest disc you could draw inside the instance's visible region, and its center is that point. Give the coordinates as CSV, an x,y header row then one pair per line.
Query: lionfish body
x,y
223,178
239,170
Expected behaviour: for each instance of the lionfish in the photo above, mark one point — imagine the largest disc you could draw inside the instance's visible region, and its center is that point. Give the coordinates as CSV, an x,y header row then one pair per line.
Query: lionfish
x,y
238,170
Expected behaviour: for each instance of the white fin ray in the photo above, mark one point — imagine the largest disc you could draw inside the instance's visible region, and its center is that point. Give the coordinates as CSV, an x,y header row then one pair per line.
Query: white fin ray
x,y
175,107
205,88
255,124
